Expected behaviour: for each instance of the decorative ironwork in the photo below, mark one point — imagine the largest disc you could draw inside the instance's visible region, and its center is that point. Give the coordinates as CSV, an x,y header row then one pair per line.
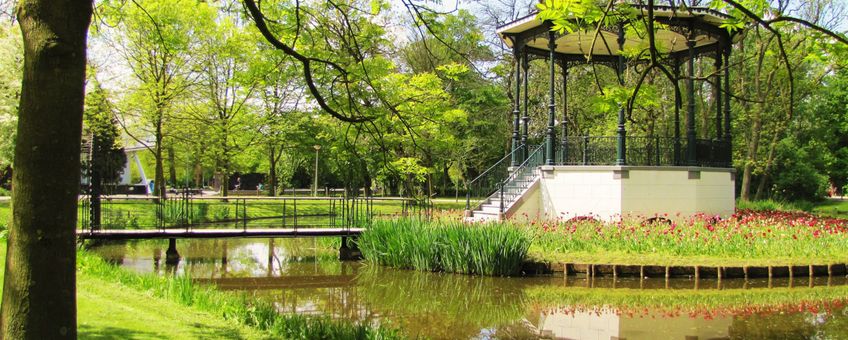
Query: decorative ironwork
x,y
642,151
489,181
520,178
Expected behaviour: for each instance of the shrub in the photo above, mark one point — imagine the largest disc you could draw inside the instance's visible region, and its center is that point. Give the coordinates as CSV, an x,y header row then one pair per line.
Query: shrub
x,y
798,173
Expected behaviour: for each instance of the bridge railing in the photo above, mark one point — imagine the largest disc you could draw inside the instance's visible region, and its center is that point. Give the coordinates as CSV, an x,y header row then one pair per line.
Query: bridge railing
x,y
188,211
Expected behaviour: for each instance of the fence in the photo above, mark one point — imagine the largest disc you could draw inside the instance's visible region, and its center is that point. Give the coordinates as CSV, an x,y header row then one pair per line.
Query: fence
x,y
189,211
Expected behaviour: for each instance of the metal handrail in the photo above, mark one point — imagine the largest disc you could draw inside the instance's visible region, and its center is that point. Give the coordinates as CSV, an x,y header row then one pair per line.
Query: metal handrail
x,y
498,163
527,163
488,172
517,186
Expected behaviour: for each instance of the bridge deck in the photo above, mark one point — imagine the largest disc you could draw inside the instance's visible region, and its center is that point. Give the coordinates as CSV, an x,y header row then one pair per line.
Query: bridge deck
x,y
126,234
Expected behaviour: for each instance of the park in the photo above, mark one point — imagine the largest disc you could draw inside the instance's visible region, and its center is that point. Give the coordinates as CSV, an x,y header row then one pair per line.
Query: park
x,y
558,169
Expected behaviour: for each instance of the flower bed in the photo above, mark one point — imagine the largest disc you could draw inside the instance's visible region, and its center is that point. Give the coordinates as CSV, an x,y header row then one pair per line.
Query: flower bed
x,y
748,238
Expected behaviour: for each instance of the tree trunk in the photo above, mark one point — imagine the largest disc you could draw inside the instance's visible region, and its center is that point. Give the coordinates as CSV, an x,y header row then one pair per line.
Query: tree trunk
x,y
272,172
751,155
159,177
39,292
198,174
769,162
172,166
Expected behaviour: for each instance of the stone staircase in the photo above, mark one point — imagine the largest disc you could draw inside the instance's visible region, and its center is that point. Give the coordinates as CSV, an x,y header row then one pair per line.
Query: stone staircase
x,y
518,183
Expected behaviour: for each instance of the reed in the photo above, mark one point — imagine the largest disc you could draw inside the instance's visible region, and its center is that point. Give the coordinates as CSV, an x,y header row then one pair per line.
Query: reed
x,y
486,249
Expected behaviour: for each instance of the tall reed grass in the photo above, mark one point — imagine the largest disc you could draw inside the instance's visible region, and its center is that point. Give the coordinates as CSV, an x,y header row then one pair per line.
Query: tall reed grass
x,y
239,307
486,249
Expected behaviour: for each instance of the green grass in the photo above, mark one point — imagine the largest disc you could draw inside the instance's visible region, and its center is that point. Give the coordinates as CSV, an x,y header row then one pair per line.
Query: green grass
x,y
113,303
487,249
827,207
238,307
773,205
5,214
112,311
106,310
835,208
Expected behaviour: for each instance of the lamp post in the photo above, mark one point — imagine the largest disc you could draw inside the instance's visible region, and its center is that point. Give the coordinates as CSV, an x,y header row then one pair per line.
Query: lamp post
x,y
315,183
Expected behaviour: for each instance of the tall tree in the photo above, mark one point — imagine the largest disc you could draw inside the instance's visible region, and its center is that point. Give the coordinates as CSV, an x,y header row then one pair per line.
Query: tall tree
x,y
227,82
158,39
39,295
11,61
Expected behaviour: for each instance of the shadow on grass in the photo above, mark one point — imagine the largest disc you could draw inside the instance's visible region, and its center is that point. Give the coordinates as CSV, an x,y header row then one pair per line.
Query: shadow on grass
x,y
198,331
97,333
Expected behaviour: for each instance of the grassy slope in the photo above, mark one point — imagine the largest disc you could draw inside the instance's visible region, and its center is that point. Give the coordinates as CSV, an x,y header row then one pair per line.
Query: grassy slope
x,y
835,208
108,310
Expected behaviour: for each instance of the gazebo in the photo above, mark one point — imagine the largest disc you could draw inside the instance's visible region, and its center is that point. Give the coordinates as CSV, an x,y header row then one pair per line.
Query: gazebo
x,y
609,177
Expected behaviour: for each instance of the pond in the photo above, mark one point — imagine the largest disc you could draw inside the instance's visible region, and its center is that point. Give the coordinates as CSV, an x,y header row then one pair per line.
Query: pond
x,y
304,276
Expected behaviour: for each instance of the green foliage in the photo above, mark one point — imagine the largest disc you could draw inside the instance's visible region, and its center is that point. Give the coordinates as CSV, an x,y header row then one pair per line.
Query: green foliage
x,y
486,249
240,307
11,65
100,128
772,205
570,15
799,177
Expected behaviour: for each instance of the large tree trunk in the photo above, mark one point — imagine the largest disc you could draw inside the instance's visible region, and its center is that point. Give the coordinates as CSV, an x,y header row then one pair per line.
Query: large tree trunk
x,y
39,289
272,172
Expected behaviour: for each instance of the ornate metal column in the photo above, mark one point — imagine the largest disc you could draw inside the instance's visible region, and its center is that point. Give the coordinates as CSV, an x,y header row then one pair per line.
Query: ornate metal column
x,y
621,149
549,143
517,108
564,124
678,102
691,158
728,136
717,91
526,119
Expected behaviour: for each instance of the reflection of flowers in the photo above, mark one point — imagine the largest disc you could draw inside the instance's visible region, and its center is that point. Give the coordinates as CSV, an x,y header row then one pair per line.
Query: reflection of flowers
x,y
708,313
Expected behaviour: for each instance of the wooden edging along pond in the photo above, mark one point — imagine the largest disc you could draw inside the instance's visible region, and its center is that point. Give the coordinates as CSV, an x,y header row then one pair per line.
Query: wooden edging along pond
x,y
697,272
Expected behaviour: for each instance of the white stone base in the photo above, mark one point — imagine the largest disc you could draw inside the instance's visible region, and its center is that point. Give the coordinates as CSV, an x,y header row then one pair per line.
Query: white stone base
x,y
612,192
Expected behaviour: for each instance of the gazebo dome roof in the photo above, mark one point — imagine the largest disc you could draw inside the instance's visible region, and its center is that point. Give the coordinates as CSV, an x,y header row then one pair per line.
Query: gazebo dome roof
x,y
671,37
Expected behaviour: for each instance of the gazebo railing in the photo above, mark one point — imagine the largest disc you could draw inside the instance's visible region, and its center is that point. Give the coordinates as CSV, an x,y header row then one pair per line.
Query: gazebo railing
x,y
484,185
641,151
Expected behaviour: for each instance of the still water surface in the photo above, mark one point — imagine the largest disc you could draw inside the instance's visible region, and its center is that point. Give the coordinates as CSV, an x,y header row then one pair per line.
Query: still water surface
x,y
303,276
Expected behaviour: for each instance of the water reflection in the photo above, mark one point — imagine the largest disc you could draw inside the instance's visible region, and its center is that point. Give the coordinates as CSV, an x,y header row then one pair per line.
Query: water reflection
x,y
304,276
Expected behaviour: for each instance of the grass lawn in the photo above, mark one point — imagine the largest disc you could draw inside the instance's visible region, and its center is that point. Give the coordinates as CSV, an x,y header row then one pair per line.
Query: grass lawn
x,y
835,208
107,310
111,311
